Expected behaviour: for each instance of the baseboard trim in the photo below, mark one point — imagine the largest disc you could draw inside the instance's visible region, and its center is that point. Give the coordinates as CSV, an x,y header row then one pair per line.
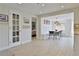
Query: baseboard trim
x,y
5,48
26,41
8,47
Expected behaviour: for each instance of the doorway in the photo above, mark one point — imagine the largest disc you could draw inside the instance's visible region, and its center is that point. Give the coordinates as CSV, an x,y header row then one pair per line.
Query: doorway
x,y
34,28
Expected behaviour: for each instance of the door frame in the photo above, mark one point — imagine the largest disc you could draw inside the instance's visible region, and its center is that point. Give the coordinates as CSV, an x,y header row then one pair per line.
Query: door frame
x,y
36,27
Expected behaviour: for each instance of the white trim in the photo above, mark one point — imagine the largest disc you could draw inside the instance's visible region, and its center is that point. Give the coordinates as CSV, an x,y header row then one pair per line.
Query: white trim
x,y
26,41
14,46
4,48
73,29
8,47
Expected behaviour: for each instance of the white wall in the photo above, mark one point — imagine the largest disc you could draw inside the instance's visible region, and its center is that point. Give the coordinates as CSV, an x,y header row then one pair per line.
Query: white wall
x,y
3,30
3,35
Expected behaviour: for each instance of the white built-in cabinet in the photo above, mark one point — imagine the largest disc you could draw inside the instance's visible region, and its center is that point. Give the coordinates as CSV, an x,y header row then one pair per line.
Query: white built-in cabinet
x,y
14,29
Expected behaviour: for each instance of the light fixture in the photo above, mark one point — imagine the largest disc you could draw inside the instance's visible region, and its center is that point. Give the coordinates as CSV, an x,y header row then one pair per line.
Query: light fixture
x,y
42,5
62,6
19,3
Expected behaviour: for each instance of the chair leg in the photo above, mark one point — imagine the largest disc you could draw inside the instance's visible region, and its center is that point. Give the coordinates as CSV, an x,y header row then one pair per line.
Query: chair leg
x,y
53,37
59,36
49,37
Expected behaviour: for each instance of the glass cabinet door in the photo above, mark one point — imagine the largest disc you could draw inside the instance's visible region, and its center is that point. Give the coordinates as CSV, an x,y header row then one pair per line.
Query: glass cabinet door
x,y
15,26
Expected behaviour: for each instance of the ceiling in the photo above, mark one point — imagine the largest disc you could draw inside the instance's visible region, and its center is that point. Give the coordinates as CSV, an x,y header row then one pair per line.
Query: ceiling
x,y
41,8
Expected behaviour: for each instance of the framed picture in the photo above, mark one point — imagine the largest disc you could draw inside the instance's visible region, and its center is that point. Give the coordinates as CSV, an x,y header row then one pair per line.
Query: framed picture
x,y
46,22
3,17
26,20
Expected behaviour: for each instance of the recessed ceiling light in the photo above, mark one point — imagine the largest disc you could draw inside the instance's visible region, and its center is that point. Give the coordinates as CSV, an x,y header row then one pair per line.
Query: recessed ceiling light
x,y
42,5
62,6
19,3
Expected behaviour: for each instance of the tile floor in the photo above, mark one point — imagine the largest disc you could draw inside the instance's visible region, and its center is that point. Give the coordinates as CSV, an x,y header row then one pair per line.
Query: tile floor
x,y
44,48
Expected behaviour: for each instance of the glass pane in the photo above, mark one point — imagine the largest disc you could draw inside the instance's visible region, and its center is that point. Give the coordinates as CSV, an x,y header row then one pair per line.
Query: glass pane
x,y
13,22
17,27
17,38
13,28
17,22
14,16
17,16
14,34
17,33
14,40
